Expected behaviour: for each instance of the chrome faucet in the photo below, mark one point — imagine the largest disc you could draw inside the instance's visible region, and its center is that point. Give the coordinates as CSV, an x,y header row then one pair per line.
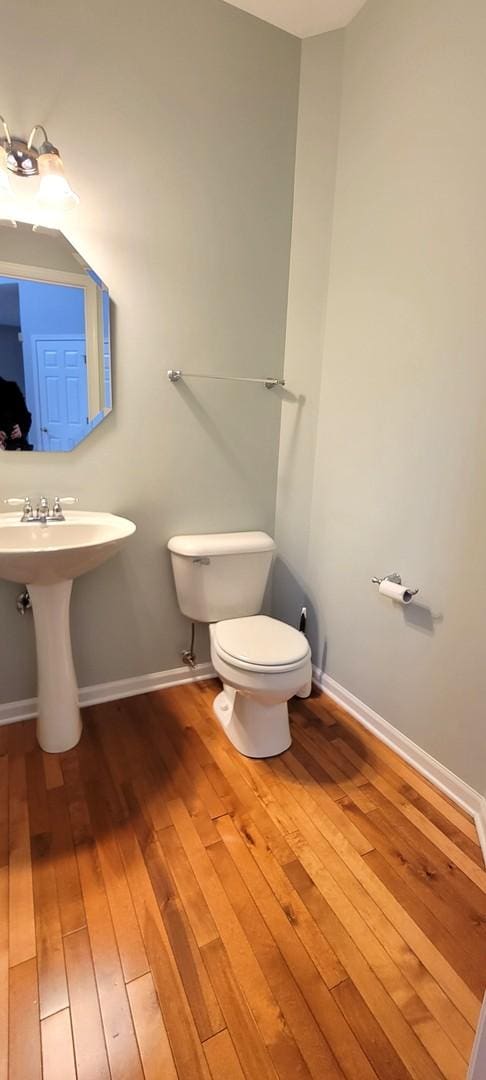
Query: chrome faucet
x,y
42,514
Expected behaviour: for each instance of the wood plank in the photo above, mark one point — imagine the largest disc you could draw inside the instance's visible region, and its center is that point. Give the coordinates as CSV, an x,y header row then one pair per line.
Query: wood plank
x,y
266,1013
318,758
120,1038
318,948
57,1047
202,923
305,876
222,1058
405,972
417,940
253,905
24,1023
53,992
353,735
431,802
182,744
314,1050
427,876
305,1002
244,793
89,1043
417,1014
153,800
3,810
178,1019
468,845
179,1022
115,1012
376,1046
21,898
3,972
153,711
316,710
21,738
433,930
52,771
36,793
464,895
125,924
71,907
250,1048
157,1059
430,957
204,1006
409,812
330,811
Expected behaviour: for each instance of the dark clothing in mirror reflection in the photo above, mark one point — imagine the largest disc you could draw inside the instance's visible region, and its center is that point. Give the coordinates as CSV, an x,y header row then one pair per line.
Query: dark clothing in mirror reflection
x,y
15,418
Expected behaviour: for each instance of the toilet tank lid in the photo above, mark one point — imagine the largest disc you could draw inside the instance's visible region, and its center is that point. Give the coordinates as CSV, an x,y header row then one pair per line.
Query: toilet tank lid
x,y
236,543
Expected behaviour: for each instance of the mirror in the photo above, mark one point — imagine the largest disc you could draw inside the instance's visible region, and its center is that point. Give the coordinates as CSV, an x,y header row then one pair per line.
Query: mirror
x,y
55,361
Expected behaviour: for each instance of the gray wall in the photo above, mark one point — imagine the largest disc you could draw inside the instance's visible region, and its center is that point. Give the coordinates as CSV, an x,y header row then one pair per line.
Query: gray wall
x,y
314,188
193,241
400,462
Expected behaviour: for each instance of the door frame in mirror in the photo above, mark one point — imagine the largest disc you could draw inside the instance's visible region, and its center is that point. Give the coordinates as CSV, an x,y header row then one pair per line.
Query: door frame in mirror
x,y
93,321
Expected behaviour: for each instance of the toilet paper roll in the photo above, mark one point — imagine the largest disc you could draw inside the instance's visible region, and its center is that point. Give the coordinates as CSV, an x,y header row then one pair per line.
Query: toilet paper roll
x,y
395,592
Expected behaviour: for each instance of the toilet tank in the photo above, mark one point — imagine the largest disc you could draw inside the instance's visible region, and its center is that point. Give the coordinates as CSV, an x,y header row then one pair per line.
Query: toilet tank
x,y
221,575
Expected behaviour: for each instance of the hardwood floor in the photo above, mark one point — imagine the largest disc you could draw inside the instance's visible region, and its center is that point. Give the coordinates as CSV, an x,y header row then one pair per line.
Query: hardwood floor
x,y
169,909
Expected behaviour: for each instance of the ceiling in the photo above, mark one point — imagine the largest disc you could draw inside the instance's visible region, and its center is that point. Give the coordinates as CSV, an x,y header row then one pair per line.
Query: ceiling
x,y
304,18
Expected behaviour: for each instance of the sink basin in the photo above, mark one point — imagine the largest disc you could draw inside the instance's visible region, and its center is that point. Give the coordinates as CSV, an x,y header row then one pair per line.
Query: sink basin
x,y
36,554
46,558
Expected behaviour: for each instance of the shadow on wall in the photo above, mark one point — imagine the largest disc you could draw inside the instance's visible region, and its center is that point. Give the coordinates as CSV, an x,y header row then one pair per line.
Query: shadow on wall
x,y
288,598
219,428
421,617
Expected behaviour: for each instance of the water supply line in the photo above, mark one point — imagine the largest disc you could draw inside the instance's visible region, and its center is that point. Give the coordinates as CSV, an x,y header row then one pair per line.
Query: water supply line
x,y
188,655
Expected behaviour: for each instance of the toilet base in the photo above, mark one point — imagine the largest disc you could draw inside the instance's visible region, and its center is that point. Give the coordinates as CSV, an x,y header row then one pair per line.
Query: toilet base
x,y
257,731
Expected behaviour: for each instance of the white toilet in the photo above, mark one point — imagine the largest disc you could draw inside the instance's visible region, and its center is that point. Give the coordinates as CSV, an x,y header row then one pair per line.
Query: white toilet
x,y
220,579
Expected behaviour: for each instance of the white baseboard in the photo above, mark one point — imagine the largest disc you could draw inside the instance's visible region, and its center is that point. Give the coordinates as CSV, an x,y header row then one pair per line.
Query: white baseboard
x,y
480,821
94,695
461,793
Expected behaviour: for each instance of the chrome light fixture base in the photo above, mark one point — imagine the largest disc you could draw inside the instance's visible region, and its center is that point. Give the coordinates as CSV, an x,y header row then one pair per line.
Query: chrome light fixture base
x,y
22,158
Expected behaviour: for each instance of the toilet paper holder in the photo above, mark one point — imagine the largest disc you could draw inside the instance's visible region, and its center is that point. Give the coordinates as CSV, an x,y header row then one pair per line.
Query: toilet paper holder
x,y
396,579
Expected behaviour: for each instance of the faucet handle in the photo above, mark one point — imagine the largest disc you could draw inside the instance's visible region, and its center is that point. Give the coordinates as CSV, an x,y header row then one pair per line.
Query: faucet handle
x,y
26,504
59,500
69,500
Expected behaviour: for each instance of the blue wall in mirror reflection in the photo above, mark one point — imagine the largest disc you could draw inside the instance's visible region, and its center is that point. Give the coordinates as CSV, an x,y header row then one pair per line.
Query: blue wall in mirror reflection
x,y
29,311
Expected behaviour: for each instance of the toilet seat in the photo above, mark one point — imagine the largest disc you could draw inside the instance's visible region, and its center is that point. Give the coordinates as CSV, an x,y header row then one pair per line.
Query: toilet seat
x,y
261,644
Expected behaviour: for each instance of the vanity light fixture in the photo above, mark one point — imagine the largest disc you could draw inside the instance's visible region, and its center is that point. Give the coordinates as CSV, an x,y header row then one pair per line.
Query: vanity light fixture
x,y
23,158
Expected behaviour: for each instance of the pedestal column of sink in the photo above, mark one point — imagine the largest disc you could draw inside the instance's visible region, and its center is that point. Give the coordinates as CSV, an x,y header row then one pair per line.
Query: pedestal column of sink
x,y
58,720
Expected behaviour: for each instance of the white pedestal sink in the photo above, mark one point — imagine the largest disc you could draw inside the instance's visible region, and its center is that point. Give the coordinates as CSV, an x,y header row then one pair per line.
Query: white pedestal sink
x,y
46,558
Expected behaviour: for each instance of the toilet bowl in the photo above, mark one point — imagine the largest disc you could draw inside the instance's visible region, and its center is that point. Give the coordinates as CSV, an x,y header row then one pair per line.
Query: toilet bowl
x,y
262,663
220,580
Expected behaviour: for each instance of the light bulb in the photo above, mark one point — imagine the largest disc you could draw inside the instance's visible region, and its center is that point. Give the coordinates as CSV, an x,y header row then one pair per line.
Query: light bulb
x,y
5,188
54,190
